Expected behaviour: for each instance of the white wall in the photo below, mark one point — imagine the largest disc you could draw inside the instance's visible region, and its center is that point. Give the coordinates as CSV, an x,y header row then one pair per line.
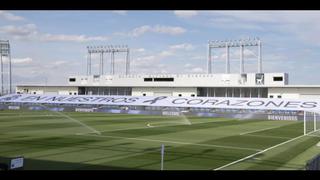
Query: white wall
x,y
139,91
295,93
61,90
180,80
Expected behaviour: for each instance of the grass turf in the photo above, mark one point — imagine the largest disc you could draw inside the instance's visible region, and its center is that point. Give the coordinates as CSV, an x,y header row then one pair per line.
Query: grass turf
x,y
51,140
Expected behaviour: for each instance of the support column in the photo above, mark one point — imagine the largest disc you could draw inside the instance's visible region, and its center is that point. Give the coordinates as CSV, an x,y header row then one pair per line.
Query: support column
x,y
209,65
227,59
226,92
1,75
112,63
241,60
102,64
10,72
89,64
259,57
127,63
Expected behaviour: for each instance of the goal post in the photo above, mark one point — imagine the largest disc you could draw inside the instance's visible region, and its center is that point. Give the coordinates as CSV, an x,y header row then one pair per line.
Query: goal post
x,y
311,123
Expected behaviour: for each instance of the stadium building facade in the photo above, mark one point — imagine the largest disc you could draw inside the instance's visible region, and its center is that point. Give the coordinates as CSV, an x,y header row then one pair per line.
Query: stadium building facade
x,y
252,85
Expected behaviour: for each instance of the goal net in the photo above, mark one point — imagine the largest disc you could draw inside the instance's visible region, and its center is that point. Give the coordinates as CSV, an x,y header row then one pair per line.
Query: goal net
x,y
311,123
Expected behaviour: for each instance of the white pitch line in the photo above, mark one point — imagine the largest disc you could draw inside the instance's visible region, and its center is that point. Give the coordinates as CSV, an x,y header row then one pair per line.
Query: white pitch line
x,y
252,155
277,137
172,142
150,126
249,132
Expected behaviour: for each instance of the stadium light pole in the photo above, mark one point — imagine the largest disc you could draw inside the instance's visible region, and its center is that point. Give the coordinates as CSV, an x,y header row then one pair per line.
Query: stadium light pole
x,y
259,57
5,52
241,60
227,59
209,59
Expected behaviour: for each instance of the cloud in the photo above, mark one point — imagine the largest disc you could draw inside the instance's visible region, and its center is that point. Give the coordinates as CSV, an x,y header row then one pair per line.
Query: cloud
x,y
26,60
30,32
184,46
188,65
120,12
199,57
24,30
197,70
138,50
166,53
185,14
161,29
300,25
10,17
71,38
59,63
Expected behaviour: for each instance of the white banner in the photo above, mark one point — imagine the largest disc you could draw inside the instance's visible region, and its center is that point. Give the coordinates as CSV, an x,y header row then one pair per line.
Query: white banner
x,y
169,101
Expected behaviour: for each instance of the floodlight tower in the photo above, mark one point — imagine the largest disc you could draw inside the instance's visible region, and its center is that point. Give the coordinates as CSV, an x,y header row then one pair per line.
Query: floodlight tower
x,y
227,44
107,49
5,52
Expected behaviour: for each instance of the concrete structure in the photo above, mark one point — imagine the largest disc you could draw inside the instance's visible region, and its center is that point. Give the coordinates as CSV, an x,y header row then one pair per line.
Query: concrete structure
x,y
263,85
254,85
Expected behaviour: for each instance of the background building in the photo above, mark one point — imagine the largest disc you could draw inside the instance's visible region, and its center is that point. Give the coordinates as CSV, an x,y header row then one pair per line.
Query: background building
x,y
252,85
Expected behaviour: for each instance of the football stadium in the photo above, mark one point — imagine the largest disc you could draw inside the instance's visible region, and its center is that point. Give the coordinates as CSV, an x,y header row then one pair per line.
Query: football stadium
x,y
110,121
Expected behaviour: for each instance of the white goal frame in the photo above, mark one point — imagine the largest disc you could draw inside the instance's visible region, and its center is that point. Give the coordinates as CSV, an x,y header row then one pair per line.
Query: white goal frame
x,y
315,119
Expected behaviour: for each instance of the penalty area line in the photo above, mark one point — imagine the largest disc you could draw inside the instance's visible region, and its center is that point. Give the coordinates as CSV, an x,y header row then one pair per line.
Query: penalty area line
x,y
252,155
259,130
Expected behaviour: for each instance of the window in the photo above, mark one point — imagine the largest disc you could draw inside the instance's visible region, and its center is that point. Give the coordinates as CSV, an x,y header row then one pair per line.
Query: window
x,y
279,96
72,79
192,95
147,79
75,93
271,96
180,95
34,93
163,79
144,94
70,93
278,78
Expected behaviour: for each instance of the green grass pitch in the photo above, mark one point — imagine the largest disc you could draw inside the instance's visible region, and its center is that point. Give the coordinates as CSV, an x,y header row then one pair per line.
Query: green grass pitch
x,y
66,141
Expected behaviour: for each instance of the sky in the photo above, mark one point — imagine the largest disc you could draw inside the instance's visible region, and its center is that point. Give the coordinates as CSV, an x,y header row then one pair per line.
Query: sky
x,y
49,46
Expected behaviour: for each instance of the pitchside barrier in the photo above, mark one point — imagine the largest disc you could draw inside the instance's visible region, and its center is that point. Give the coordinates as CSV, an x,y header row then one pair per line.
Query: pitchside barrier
x,y
164,111
240,108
